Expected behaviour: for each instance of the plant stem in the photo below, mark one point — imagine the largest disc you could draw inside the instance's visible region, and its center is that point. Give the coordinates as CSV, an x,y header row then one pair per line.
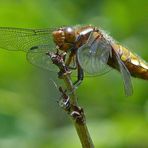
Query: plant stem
x,y
70,102
78,120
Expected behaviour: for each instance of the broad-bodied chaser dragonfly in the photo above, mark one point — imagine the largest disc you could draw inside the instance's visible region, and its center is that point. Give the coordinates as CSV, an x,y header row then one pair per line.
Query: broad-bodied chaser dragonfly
x,y
87,49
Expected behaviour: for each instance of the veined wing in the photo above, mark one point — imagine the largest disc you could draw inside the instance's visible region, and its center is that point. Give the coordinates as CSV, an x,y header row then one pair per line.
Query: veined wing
x,y
24,39
93,56
36,42
39,56
125,75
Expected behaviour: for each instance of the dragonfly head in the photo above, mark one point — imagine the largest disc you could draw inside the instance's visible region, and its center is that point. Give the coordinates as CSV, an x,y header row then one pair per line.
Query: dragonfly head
x,y
64,38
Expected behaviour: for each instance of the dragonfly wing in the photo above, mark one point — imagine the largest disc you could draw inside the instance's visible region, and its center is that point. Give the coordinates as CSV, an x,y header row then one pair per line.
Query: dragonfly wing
x,y
24,39
125,75
38,56
93,56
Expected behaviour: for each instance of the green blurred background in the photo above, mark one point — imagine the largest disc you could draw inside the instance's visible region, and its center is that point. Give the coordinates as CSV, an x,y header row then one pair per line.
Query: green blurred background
x,y
29,114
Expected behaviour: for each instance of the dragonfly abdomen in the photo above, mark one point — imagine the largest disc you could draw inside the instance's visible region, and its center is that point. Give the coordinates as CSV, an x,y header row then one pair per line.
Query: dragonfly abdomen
x,y
136,66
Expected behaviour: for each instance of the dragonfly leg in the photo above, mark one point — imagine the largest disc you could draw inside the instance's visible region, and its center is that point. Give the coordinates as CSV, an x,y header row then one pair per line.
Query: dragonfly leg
x,y
79,77
80,73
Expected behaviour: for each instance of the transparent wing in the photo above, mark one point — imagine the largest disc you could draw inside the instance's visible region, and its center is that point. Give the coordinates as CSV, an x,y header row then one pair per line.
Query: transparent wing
x,y
38,56
93,56
24,39
125,75
36,42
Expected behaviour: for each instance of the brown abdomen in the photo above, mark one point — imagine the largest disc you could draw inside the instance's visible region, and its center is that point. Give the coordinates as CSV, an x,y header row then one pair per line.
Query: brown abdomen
x,y
136,66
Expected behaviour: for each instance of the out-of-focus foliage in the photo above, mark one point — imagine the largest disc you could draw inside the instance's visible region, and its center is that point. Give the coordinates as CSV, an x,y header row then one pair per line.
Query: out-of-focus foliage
x,y
29,114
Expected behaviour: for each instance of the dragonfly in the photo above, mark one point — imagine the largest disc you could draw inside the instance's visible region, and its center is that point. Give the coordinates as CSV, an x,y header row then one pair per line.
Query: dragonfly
x,y
88,49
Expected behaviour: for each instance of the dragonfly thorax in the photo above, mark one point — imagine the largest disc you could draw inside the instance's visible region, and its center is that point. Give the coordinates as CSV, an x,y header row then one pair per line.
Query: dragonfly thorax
x,y
64,38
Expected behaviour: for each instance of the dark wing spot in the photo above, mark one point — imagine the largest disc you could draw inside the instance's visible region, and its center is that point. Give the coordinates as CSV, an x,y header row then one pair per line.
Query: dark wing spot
x,y
34,47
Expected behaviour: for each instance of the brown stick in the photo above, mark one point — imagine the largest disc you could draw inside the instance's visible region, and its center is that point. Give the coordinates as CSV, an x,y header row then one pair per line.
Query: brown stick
x,y
71,106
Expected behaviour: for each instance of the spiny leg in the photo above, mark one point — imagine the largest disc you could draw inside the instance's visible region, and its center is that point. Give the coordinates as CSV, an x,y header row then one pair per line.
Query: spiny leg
x,y
80,73
80,76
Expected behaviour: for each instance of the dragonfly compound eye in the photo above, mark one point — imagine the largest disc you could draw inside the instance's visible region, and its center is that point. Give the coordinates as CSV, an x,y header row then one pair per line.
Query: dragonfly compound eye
x,y
69,35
